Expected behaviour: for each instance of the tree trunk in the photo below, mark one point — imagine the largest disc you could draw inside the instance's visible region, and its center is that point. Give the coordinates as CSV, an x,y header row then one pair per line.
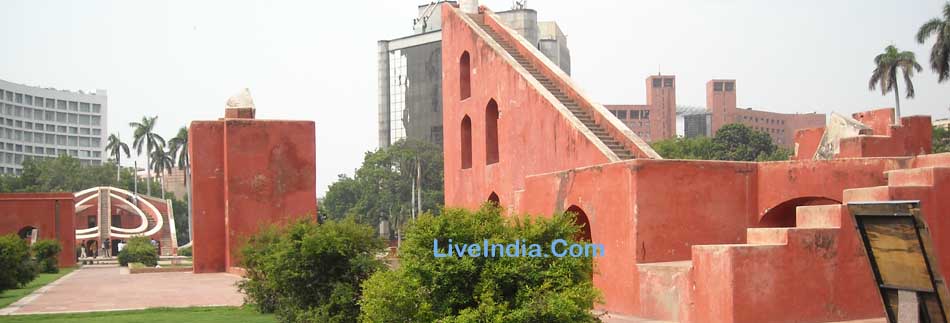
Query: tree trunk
x,y
162,179
897,108
148,166
117,169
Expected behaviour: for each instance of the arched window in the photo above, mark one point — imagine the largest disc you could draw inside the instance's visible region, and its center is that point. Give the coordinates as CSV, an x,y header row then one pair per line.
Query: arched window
x,y
580,218
465,76
493,199
466,143
491,132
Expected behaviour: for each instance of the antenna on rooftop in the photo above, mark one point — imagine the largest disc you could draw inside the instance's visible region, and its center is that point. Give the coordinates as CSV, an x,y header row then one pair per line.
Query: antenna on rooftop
x,y
519,4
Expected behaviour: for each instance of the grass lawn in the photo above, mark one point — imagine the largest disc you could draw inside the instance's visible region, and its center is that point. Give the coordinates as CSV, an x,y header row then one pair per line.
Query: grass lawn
x,y
187,314
12,295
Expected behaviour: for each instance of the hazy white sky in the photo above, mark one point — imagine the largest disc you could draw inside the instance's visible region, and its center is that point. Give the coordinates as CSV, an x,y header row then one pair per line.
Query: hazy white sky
x,y
316,60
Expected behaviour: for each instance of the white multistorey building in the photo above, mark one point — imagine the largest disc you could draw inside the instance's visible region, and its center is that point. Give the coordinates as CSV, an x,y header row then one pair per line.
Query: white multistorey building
x,y
40,122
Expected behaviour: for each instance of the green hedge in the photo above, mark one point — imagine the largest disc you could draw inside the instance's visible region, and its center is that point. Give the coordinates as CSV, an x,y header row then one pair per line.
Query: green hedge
x,y
16,266
309,272
46,252
139,249
482,289
185,252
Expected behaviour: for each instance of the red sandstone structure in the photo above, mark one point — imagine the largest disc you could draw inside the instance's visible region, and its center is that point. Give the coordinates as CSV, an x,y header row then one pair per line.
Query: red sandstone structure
x,y
246,173
685,241
50,214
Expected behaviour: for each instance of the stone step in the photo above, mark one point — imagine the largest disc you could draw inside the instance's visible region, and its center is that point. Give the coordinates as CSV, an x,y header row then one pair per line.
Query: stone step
x,y
767,236
923,176
819,216
664,290
866,194
941,159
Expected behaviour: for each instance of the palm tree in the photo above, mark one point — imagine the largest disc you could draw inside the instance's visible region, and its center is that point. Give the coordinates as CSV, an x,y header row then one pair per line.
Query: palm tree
x,y
940,52
162,162
885,74
116,148
144,137
179,149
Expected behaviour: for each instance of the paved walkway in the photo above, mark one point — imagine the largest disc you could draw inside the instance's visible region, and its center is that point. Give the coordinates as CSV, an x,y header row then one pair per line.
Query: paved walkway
x,y
109,288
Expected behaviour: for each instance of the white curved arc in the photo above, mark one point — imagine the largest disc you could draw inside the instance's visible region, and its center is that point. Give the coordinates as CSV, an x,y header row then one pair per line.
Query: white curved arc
x,y
84,200
159,222
82,231
85,191
141,227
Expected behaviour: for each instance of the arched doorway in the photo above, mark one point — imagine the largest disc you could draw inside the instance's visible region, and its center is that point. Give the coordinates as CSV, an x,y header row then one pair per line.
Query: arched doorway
x,y
783,215
580,218
494,200
26,232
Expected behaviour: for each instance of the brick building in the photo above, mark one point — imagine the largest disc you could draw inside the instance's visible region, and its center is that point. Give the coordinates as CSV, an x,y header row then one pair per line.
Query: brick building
x,y
721,104
655,120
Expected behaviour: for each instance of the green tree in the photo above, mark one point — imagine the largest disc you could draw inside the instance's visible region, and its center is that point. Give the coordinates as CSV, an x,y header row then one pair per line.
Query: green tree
x,y
387,186
139,250
116,148
482,289
16,267
307,272
686,148
735,142
941,140
47,252
940,52
162,163
741,143
886,67
145,136
61,174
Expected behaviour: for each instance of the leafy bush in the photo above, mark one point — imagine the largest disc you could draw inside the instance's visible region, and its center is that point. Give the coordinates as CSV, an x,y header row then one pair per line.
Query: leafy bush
x,y
139,249
185,252
46,252
309,272
16,266
482,289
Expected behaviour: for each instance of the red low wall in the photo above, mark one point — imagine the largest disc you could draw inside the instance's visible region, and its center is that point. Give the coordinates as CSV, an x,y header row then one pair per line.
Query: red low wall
x,y
52,213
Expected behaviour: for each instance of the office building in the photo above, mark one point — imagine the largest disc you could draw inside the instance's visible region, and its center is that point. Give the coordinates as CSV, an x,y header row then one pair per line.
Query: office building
x,y
410,71
38,122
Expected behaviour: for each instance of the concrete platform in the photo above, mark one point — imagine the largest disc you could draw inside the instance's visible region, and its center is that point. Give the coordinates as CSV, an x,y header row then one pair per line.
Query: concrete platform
x,y
111,288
